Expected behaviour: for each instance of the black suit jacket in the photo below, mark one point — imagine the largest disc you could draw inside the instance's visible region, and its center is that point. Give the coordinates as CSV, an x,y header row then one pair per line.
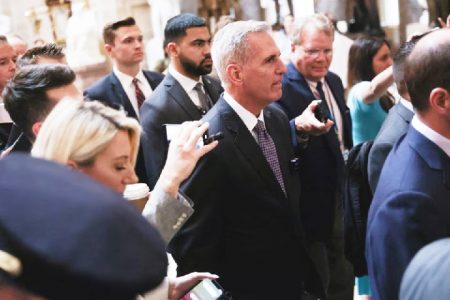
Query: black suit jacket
x,y
395,125
168,104
109,91
321,163
244,228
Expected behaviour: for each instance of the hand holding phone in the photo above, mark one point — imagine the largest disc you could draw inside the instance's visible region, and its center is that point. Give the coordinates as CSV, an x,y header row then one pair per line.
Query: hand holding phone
x,y
206,289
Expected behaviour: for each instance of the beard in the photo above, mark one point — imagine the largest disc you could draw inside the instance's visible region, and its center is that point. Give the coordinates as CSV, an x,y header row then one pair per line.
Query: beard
x,y
196,69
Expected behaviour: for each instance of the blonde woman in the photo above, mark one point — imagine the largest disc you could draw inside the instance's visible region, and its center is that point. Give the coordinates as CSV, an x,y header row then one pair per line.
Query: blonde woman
x,y
102,143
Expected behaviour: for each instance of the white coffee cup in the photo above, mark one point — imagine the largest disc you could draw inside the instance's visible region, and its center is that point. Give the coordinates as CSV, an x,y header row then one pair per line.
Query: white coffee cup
x,y
137,194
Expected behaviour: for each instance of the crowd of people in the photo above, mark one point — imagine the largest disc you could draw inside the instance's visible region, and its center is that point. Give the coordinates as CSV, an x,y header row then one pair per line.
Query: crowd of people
x,y
259,210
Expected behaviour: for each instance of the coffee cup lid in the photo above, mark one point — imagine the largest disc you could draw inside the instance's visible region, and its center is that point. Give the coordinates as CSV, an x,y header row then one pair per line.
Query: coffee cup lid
x,y
136,191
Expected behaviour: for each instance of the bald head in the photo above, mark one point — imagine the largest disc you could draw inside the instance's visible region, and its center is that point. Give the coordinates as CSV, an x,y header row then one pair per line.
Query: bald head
x,y
428,67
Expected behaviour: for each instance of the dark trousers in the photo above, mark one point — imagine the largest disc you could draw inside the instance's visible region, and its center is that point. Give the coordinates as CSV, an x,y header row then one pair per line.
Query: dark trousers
x,y
328,256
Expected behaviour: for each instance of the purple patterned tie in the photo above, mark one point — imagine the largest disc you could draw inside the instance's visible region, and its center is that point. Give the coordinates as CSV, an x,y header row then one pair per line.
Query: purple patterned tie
x,y
139,94
270,152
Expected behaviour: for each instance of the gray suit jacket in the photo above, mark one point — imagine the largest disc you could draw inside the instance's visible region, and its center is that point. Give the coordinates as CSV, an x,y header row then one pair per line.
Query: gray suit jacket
x,y
166,213
168,104
395,125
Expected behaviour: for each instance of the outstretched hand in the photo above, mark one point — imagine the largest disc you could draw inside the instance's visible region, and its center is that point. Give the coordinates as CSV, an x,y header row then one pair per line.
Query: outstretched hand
x,y
180,285
308,124
183,155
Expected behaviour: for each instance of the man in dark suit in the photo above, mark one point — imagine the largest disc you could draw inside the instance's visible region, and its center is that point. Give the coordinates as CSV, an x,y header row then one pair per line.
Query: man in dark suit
x,y
396,123
46,54
31,95
411,205
322,162
246,226
127,85
177,99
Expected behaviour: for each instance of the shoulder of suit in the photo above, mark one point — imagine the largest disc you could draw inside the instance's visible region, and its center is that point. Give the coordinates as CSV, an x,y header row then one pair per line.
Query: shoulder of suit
x,y
100,85
154,75
333,77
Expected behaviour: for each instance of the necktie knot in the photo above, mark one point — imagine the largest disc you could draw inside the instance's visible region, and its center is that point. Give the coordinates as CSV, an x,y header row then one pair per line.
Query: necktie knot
x,y
259,127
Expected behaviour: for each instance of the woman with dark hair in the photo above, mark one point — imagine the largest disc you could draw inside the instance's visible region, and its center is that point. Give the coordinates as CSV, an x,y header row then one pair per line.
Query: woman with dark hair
x,y
369,76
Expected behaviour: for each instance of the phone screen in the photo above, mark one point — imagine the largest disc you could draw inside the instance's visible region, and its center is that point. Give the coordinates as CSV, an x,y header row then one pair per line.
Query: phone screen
x,y
204,290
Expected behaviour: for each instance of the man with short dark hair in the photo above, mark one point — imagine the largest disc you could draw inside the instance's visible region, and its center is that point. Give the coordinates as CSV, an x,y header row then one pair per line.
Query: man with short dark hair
x,y
127,85
48,53
411,205
185,94
33,92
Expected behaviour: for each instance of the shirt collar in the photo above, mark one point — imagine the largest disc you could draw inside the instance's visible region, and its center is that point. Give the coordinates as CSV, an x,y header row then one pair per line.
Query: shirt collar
x,y
247,117
440,140
407,104
187,83
125,79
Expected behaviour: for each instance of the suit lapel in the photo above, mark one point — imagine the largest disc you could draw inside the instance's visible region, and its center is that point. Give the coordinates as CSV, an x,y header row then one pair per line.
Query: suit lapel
x,y
246,144
179,95
119,92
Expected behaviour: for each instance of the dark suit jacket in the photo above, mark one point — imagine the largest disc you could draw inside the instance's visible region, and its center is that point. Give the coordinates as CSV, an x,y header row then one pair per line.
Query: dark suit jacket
x,y
394,126
169,104
321,163
18,140
411,208
109,91
243,228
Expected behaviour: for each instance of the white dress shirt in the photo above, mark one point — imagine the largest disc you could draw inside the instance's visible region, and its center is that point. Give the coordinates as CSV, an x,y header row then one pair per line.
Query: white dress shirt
x,y
127,83
247,117
440,140
188,85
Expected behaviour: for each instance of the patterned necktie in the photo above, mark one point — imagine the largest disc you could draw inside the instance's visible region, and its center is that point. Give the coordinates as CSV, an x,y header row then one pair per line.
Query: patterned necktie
x,y
270,152
204,101
139,94
324,103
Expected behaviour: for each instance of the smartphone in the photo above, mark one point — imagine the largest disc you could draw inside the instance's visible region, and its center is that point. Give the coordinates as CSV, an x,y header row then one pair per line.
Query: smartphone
x,y
208,139
319,114
206,289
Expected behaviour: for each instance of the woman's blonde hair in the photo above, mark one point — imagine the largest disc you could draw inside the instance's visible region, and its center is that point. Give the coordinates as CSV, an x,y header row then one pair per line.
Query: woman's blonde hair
x,y
78,131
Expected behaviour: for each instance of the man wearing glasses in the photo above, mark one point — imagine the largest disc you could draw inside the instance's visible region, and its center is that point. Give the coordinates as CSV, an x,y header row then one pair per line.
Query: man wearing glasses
x,y
322,161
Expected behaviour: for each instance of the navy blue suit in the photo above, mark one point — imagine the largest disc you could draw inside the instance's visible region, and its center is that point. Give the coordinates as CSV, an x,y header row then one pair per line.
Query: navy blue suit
x,y
411,208
244,228
322,164
109,91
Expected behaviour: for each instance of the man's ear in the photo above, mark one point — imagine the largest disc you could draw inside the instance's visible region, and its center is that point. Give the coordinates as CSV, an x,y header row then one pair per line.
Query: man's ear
x,y
172,49
36,127
234,74
108,49
440,100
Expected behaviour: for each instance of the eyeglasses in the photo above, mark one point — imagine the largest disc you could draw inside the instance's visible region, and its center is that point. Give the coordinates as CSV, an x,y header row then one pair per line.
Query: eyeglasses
x,y
316,52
